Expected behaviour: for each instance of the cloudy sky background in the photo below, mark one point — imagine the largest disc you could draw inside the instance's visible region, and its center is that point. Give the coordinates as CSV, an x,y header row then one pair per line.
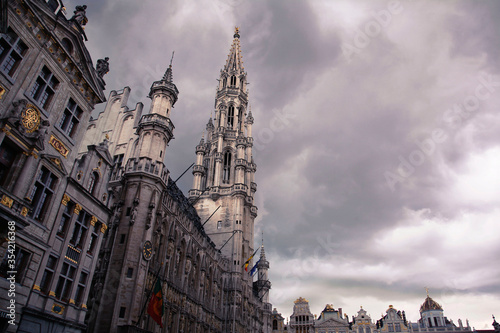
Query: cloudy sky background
x,y
377,137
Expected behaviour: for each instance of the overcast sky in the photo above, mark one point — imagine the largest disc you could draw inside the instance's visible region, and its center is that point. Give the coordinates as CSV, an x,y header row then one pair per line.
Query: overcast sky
x,y
377,137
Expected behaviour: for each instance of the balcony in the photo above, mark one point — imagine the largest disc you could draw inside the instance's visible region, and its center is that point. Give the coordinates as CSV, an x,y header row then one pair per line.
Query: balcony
x,y
159,120
146,165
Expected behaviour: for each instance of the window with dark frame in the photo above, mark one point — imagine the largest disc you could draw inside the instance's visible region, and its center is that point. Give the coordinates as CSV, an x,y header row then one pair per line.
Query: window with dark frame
x,y
230,116
48,275
65,282
44,88
8,154
80,290
70,118
80,229
226,172
21,260
42,193
65,220
93,238
118,160
12,51
93,180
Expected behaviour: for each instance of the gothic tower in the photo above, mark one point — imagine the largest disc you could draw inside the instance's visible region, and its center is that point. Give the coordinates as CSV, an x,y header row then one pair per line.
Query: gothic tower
x,y
224,171
138,189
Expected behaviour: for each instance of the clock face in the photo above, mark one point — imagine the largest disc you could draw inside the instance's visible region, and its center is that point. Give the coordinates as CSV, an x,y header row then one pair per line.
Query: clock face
x,y
147,250
30,118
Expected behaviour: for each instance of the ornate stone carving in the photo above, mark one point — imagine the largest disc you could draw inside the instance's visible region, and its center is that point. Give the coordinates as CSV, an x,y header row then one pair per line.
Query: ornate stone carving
x,y
80,16
102,67
65,199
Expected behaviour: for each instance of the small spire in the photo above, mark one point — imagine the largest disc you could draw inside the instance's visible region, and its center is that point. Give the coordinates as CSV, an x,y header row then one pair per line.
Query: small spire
x,y
168,74
236,32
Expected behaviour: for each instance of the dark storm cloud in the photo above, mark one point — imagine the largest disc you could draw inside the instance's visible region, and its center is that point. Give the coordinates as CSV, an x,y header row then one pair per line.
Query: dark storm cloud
x,y
327,130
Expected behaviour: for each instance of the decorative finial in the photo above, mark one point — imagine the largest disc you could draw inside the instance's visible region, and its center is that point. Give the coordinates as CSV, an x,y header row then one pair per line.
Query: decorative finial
x,y
171,59
236,32
427,291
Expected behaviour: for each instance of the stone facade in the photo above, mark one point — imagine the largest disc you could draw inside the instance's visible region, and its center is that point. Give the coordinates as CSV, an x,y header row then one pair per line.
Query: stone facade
x,y
224,186
205,287
58,208
333,321
301,320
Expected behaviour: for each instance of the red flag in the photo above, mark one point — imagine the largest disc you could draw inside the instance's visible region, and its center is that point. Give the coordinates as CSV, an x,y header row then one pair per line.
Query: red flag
x,y
155,306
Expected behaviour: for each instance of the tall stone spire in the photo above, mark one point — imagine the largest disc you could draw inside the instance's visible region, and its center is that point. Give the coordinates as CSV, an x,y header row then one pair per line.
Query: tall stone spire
x,y
224,169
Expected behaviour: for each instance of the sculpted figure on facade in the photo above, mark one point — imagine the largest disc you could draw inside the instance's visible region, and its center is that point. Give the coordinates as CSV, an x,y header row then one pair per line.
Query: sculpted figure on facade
x,y
80,16
102,67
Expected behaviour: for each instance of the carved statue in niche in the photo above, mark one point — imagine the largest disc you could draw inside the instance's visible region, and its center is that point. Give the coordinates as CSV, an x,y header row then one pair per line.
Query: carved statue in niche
x,y
133,215
188,266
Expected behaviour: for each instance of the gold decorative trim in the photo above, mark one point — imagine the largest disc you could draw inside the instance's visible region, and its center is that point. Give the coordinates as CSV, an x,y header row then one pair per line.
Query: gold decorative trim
x,y
35,287
31,118
77,209
53,294
57,308
65,199
2,91
93,220
6,201
71,301
24,211
104,227
84,306
59,146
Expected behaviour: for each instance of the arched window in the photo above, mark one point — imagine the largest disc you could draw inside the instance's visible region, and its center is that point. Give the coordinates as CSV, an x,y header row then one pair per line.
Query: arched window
x,y
275,324
233,80
230,116
360,330
224,82
94,179
227,168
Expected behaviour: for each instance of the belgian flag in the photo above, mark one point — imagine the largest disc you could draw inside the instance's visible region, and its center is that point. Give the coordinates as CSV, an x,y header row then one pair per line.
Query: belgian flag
x,y
155,306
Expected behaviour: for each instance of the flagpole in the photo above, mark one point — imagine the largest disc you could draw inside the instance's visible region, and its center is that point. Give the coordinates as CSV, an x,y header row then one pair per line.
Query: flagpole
x,y
149,294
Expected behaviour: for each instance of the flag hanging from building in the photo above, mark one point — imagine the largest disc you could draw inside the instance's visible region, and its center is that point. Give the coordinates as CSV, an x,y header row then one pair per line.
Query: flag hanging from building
x,y
248,261
155,306
254,268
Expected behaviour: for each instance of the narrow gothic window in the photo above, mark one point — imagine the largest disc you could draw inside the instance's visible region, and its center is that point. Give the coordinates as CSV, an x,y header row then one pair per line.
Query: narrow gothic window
x,y
227,168
224,82
233,81
230,116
